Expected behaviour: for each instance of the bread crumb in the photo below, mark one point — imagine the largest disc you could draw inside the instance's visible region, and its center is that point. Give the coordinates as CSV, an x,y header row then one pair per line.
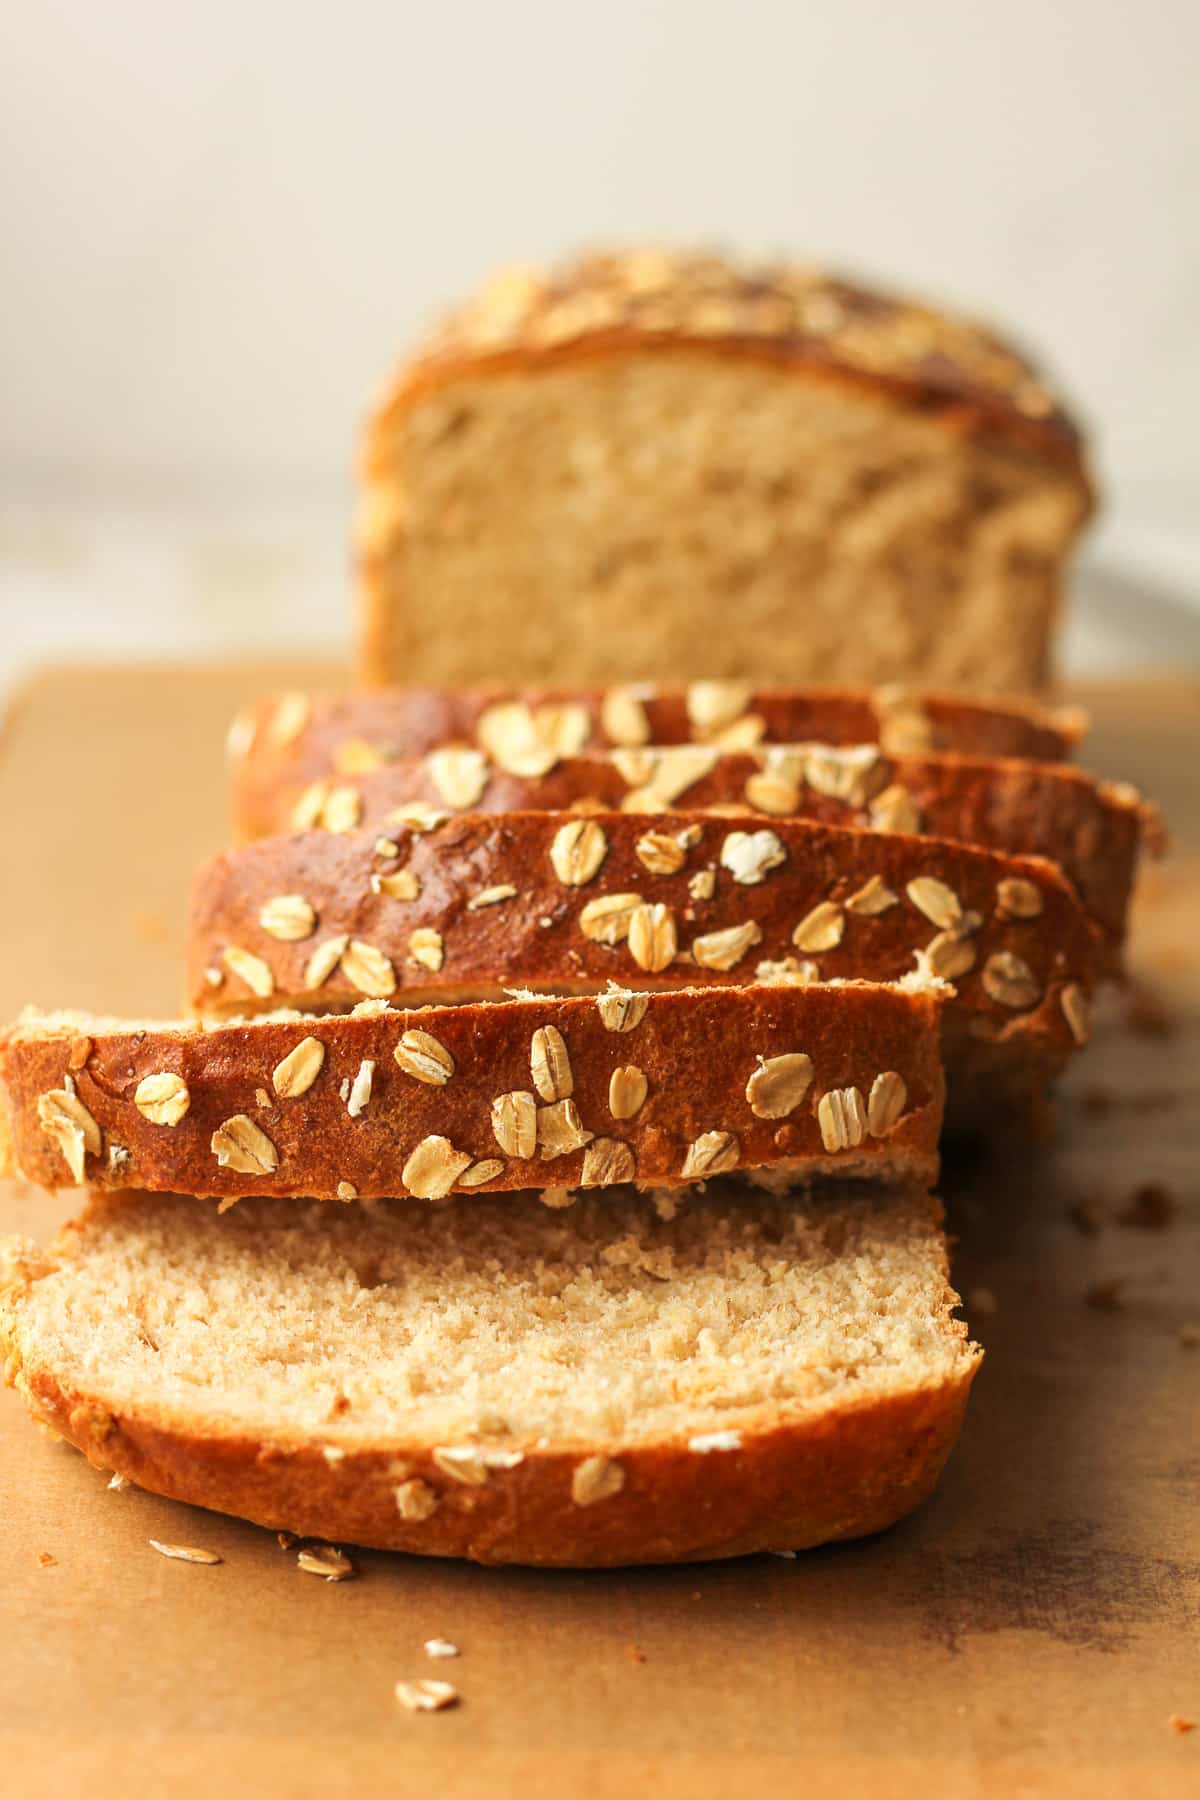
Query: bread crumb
x,y
636,1655
47,1561
1181,1723
286,1539
1087,1215
1151,1208
1105,1296
983,1303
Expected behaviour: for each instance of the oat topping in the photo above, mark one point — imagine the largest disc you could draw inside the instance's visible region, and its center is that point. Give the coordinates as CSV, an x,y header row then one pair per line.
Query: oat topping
x,y
433,1168
342,811
652,937
346,1190
423,1057
724,949
886,1103
354,756
713,1153
606,1162
660,852
1009,980
491,896
560,1130
514,1123
895,810
596,1478
948,956
63,1117
402,885
509,733
627,1090
425,946
480,1173
787,971
459,775
289,716
623,717
853,774
251,969
620,1010
779,1084
416,1500
842,1118
295,1074
426,1695
874,897
713,705
744,734
705,1442
1077,1012
770,793
577,852
659,776
1017,898
940,904
368,969
550,1064
162,1098
242,1145
323,961
359,1097
417,815
607,920
288,917
307,808
702,885
820,929
751,855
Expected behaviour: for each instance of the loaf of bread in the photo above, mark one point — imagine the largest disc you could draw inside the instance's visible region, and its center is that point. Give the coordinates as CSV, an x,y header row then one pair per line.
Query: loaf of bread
x,y
291,739
656,466
560,903
609,1385
662,1089
1092,830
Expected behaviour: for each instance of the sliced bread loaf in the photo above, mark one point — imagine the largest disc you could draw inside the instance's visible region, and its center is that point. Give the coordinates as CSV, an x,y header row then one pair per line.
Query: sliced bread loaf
x,y
560,904
294,738
1092,830
505,1383
661,1089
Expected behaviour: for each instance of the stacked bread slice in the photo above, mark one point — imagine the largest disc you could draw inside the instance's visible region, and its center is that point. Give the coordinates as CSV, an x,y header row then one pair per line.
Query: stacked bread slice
x,y
672,1062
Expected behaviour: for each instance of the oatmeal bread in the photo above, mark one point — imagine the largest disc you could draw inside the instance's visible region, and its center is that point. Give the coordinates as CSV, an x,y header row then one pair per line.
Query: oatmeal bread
x,y
1093,830
603,1386
560,903
290,739
665,466
662,1089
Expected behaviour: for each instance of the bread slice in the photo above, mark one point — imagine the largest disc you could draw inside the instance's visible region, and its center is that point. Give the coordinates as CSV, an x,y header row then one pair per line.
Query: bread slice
x,y
1093,830
671,467
502,1382
294,738
663,1089
539,900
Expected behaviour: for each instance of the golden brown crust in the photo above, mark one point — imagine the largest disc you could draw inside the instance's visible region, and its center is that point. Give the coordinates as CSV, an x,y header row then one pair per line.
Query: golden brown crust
x,y
1092,830
800,320
296,738
227,1089
532,928
799,1481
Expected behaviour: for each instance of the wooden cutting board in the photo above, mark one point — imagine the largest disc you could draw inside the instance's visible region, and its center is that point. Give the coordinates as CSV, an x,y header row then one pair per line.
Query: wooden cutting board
x,y
1030,1632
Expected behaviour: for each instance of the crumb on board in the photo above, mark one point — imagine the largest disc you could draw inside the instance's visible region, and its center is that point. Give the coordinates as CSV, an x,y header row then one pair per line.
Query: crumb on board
x,y
1087,1214
1189,1336
636,1654
46,1561
982,1302
1151,1207
1105,1296
1181,1723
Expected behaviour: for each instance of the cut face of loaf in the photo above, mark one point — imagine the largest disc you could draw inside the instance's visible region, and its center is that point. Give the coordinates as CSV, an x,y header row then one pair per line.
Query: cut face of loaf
x,y
289,740
734,472
502,1382
565,903
661,1089
1092,830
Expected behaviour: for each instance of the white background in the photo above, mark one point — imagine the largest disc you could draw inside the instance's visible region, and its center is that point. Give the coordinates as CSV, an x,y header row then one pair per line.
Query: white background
x,y
222,222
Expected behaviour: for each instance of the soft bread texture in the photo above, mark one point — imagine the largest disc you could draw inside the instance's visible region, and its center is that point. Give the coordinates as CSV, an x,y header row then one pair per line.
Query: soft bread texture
x,y
1093,830
663,1089
293,738
666,466
530,895
601,1386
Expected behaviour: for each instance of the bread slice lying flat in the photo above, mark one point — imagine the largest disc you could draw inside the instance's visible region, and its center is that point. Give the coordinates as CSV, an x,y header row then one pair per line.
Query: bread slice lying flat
x,y
556,904
505,1383
295,738
661,1089
1092,830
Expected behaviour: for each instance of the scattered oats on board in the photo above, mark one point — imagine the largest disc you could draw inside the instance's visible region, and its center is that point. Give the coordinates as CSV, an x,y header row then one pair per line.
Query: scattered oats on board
x,y
324,1560
118,1484
441,1647
426,1695
185,1553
